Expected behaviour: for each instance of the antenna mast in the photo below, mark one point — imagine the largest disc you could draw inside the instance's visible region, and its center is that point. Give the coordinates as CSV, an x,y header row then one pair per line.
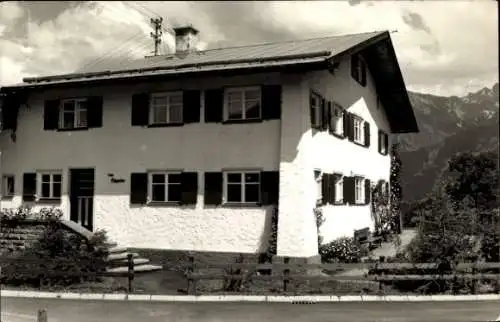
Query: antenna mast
x,y
157,33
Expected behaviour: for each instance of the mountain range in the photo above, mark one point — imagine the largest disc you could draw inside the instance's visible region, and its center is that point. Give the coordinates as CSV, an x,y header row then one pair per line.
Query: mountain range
x,y
448,125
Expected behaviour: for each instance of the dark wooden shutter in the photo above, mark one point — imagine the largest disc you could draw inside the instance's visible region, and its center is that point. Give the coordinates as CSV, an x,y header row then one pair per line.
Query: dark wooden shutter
x,y
333,180
350,127
354,67
213,188
324,115
29,186
380,140
140,109
214,105
51,114
191,106
138,188
368,191
386,143
312,110
329,116
366,130
363,72
189,185
271,102
349,190
269,187
345,123
94,111
325,188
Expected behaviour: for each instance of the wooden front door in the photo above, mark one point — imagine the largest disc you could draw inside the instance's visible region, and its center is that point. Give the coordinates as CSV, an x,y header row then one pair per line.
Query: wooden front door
x,y
81,196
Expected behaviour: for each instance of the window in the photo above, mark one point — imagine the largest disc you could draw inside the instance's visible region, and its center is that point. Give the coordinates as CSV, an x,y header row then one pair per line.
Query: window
x,y
49,186
358,129
242,187
316,111
359,190
339,188
166,108
337,121
383,143
73,114
319,185
7,186
165,187
242,104
358,69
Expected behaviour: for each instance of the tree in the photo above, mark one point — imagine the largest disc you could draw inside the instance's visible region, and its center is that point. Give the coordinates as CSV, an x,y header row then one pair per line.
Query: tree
x,y
396,189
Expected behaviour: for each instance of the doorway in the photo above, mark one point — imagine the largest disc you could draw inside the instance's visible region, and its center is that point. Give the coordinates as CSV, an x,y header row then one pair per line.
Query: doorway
x,y
81,196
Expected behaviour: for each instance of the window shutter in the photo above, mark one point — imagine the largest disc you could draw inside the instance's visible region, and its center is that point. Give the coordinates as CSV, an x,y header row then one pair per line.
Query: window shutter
x,y
191,106
368,191
363,73
29,186
94,111
325,188
380,138
138,188
140,109
333,180
213,188
271,102
214,105
189,185
345,123
386,143
366,130
51,114
269,187
349,190
354,67
329,116
324,115
312,110
350,127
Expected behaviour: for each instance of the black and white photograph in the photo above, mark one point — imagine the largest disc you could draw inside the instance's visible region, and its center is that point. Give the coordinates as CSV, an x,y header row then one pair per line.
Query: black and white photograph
x,y
249,161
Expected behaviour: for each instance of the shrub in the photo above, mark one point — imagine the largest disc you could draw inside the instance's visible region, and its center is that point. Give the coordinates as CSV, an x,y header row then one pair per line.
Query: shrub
x,y
59,257
344,250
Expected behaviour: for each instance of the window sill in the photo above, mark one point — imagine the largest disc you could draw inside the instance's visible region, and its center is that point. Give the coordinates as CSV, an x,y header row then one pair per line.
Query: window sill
x,y
384,153
8,198
241,205
245,121
164,204
73,129
339,136
360,144
48,201
166,125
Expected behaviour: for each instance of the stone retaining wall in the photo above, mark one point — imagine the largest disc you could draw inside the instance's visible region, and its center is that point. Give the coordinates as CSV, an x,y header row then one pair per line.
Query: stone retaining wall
x,y
15,236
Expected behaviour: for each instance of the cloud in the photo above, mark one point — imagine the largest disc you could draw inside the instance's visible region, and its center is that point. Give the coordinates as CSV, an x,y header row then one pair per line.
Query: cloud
x,y
444,47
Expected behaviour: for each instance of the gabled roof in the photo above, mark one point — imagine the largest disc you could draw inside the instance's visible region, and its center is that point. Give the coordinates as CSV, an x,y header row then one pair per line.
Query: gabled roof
x,y
376,48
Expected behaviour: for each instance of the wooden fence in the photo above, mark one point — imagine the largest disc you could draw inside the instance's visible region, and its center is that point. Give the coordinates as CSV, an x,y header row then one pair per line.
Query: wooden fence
x,y
473,271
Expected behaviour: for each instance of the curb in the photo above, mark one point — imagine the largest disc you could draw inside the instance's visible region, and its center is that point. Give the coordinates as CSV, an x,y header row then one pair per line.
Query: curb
x,y
248,298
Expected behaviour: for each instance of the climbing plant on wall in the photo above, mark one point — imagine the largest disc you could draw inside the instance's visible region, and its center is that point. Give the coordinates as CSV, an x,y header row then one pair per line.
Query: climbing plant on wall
x,y
396,192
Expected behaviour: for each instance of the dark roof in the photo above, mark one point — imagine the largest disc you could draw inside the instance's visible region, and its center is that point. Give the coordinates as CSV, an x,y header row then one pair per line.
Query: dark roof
x,y
376,48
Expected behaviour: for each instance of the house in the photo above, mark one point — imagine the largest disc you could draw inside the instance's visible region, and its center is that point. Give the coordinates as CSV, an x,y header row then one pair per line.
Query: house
x,y
193,150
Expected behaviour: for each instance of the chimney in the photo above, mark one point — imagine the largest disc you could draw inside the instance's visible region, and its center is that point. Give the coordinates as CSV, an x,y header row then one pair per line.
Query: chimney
x,y
186,39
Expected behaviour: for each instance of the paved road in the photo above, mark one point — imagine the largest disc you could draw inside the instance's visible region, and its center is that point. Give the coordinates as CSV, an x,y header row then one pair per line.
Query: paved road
x,y
24,310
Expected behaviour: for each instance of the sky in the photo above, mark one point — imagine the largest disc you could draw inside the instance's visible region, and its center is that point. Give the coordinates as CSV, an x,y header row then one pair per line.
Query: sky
x,y
443,47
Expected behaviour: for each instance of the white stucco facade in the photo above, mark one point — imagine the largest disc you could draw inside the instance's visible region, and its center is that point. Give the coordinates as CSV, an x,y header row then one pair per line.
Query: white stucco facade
x,y
285,145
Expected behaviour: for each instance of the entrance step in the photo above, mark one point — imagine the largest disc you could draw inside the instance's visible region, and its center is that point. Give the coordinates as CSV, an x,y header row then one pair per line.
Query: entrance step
x,y
123,262
120,256
137,269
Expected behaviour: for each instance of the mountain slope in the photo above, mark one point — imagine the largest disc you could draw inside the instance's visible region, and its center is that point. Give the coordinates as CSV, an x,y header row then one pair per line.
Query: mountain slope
x,y
448,125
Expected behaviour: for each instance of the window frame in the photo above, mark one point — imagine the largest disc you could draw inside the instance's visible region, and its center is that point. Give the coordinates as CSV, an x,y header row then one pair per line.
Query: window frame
x,y
40,182
358,120
76,111
337,121
339,188
167,95
360,66
384,149
318,179
317,108
166,183
242,184
5,178
242,90
361,181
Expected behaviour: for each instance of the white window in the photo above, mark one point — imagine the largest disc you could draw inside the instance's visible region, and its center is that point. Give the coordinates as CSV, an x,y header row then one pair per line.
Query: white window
x,y
242,103
7,186
337,120
319,185
315,111
359,189
166,108
164,186
73,113
242,187
358,130
339,188
49,185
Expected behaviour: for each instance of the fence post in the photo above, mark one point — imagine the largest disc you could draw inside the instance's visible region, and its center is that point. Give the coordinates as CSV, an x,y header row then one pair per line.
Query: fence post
x,y
191,289
130,261
42,315
286,273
